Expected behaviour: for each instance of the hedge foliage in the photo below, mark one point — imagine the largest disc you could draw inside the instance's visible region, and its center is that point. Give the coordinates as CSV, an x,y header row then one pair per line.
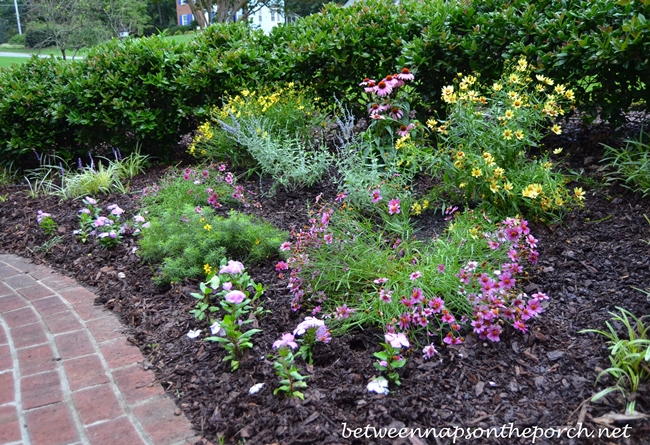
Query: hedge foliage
x,y
151,90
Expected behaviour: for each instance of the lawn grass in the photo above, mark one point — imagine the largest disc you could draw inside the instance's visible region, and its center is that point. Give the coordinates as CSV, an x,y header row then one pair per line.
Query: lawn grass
x,y
181,38
8,61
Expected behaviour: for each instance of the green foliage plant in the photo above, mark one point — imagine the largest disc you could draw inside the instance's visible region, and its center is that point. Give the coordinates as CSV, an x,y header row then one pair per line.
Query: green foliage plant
x,y
629,355
46,223
291,381
190,198
487,133
234,292
630,165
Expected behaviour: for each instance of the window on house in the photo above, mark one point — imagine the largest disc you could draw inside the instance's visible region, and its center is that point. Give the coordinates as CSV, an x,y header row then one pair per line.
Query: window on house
x,y
186,19
260,17
182,2
272,16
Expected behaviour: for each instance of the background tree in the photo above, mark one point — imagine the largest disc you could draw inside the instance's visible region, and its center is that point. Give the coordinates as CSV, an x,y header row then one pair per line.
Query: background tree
x,y
8,24
124,15
66,24
304,8
162,13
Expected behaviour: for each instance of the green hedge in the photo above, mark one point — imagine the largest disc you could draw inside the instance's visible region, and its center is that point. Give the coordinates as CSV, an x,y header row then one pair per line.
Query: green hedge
x,y
151,90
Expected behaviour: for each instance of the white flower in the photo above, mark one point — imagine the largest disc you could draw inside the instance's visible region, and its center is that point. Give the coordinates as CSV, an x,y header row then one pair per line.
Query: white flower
x,y
194,333
121,275
256,388
378,385
217,330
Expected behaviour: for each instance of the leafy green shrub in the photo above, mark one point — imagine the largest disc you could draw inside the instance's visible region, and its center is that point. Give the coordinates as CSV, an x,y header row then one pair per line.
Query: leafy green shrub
x,y
183,241
630,164
37,34
18,39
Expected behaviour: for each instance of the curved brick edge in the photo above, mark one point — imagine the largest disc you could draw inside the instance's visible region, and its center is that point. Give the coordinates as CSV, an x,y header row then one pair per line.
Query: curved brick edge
x,y
68,375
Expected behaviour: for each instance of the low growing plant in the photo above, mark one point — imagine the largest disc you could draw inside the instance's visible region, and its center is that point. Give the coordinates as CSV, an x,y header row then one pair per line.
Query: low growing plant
x,y
46,222
291,381
630,165
108,230
629,355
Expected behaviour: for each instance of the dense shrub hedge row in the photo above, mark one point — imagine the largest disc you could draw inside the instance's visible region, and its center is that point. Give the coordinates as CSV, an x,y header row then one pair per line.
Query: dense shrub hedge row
x,y
149,90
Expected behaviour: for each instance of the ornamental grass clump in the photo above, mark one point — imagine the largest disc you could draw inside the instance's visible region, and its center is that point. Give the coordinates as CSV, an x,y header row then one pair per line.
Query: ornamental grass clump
x,y
486,140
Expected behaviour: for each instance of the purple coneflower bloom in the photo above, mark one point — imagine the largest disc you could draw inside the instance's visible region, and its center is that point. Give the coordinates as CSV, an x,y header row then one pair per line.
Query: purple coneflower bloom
x,y
396,113
405,75
383,89
404,129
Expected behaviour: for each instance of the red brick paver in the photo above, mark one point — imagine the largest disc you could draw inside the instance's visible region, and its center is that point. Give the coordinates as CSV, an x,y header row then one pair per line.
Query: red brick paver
x,y
68,375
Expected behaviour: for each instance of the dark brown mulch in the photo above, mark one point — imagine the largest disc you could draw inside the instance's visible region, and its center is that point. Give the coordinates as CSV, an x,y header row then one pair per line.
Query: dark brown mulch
x,y
588,265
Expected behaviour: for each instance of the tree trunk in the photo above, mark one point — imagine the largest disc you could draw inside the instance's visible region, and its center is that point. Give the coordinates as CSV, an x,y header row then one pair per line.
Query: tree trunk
x,y
159,15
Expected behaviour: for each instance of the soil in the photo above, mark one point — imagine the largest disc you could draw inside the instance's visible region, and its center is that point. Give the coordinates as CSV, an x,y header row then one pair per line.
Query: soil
x,y
590,264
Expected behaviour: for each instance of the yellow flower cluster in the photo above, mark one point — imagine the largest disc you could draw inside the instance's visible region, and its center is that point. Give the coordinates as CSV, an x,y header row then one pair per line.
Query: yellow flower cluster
x,y
204,133
417,208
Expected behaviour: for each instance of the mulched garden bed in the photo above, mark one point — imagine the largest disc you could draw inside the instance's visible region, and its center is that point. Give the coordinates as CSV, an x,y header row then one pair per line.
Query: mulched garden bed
x,y
589,264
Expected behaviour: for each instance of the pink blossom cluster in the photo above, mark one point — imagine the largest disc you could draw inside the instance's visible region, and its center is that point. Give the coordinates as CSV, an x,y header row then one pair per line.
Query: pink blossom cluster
x,y
494,296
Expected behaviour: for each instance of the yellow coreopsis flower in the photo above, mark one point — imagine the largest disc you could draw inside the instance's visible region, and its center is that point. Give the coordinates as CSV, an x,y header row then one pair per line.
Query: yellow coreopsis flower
x,y
460,154
539,87
448,90
497,87
458,164
509,114
476,172
514,78
507,134
519,134
207,227
556,129
557,151
425,204
416,209
580,195
532,191
207,269
559,201
560,89
508,187
494,187
498,172
462,185
517,103
570,95
432,124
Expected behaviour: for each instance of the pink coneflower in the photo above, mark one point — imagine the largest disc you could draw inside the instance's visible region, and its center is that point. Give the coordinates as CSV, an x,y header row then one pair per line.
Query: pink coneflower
x,y
441,268
380,280
366,81
373,109
391,81
378,116
404,129
405,75
328,238
205,173
341,196
396,113
494,245
285,246
376,195
370,88
383,89
393,206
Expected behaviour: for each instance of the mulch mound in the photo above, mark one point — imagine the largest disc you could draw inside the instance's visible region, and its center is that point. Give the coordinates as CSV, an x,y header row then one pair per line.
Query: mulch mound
x,y
589,265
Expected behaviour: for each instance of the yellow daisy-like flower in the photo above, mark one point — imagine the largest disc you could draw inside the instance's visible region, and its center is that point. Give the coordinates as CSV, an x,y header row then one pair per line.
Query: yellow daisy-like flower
x,y
556,129
488,157
519,134
462,185
560,89
401,142
539,87
460,154
559,201
245,93
207,227
514,78
207,269
448,90
432,124
549,81
202,220
494,187
547,165
474,232
522,63
512,95
517,103
498,172
507,134
532,191
425,204
541,77
497,87
416,209
509,114
580,195
557,151
508,186
442,129
570,95
472,95
469,80
476,172
458,164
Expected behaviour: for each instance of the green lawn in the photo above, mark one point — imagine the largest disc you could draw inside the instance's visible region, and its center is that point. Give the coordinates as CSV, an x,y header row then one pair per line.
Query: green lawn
x,y
181,38
8,61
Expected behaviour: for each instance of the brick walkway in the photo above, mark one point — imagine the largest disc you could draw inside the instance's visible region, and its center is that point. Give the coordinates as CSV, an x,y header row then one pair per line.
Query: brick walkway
x,y
68,375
